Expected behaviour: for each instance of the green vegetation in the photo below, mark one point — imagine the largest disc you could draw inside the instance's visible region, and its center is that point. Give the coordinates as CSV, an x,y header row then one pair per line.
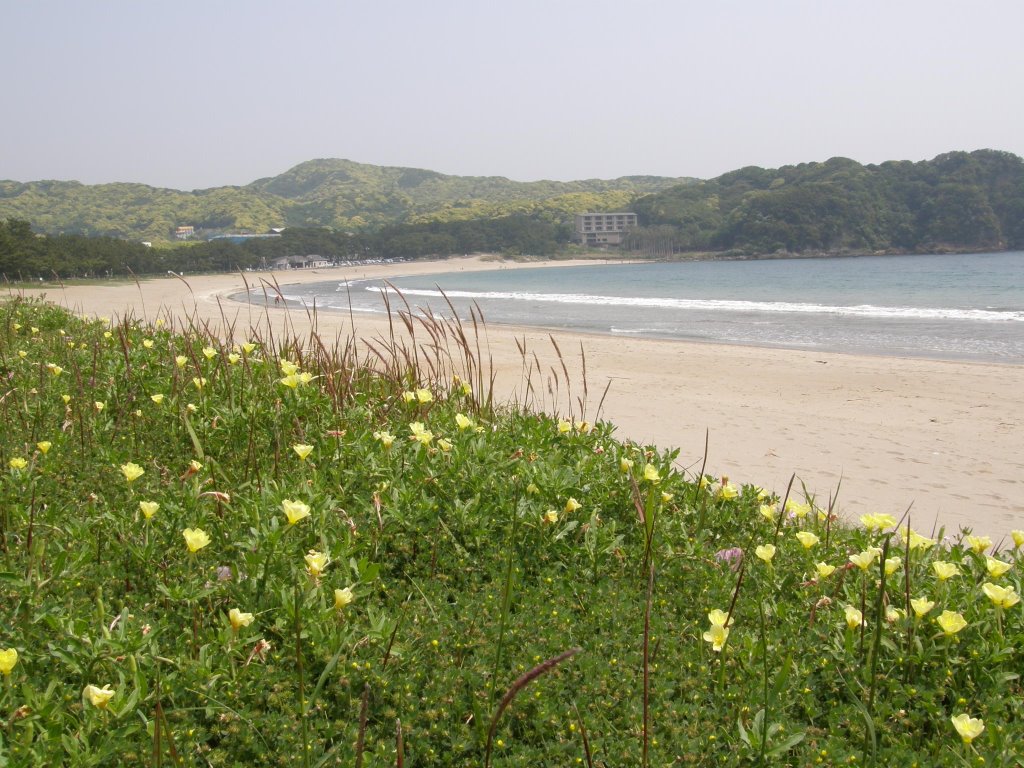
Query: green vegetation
x,y
254,551
957,202
25,255
338,194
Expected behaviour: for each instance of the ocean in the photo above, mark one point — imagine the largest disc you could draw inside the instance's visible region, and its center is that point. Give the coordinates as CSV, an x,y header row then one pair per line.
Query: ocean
x,y
949,307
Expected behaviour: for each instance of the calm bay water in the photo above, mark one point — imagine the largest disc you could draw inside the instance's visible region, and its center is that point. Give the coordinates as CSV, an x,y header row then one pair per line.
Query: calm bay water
x,y
956,307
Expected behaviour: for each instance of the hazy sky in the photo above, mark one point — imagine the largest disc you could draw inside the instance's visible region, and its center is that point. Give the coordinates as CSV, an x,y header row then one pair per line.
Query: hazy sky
x,y
199,93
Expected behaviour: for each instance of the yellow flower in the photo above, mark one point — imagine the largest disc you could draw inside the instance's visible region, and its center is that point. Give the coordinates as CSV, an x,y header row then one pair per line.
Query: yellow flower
x,y
979,543
571,505
765,551
44,446
294,510
132,471
66,399
420,434
463,422
863,560
824,570
892,615
625,465
564,427
148,508
302,451
180,361
767,511
797,510
316,562
997,568
666,497
99,697
717,636
209,353
233,358
1003,597
199,381
99,405
651,474
1018,538
968,727
916,540
147,343
892,564
55,369
921,605
444,445
951,622
854,618
305,377
583,427
291,380
239,619
877,522
409,396
157,398
8,658
195,539
343,597
807,538
17,462
944,570
424,395
550,517
248,347
195,466
386,438
728,491
719,630
288,368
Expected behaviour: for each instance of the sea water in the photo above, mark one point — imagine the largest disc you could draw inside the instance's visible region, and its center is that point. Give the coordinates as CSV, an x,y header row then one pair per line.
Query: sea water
x,y
953,307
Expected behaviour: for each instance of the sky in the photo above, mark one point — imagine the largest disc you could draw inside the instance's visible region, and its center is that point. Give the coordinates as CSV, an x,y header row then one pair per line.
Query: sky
x,y
193,94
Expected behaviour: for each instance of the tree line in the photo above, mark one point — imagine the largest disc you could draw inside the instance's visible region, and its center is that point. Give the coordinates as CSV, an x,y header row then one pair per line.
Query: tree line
x,y
28,255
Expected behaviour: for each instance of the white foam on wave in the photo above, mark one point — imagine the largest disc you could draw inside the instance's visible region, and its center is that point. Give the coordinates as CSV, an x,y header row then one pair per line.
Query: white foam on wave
x,y
728,305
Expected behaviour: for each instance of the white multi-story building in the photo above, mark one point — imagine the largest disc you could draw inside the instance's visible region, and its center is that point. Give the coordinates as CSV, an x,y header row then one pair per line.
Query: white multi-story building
x,y
603,228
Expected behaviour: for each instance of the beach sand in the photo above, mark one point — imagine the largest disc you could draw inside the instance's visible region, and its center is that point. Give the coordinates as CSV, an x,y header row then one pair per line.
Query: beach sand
x,y
943,436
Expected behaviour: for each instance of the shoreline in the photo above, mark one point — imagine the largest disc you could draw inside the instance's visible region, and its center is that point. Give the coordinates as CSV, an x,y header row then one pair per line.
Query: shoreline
x,y
938,434
297,305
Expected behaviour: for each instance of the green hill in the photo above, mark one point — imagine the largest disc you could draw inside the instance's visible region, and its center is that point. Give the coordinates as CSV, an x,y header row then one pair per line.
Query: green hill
x,y
339,194
958,201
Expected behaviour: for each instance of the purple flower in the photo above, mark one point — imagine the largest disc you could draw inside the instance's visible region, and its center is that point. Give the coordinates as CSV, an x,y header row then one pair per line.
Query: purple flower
x,y
733,557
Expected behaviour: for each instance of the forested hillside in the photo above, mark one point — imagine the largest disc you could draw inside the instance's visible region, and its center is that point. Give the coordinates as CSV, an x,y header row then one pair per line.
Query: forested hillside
x,y
959,202
338,194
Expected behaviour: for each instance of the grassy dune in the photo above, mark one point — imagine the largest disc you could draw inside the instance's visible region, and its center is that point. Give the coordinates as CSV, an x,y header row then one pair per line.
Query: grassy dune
x,y
272,551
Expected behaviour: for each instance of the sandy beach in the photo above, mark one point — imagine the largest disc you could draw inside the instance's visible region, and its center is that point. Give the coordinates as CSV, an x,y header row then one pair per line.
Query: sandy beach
x,y
943,436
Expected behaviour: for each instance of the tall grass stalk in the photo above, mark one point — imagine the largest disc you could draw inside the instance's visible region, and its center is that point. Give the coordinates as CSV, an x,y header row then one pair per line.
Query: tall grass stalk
x,y
521,682
646,731
506,599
